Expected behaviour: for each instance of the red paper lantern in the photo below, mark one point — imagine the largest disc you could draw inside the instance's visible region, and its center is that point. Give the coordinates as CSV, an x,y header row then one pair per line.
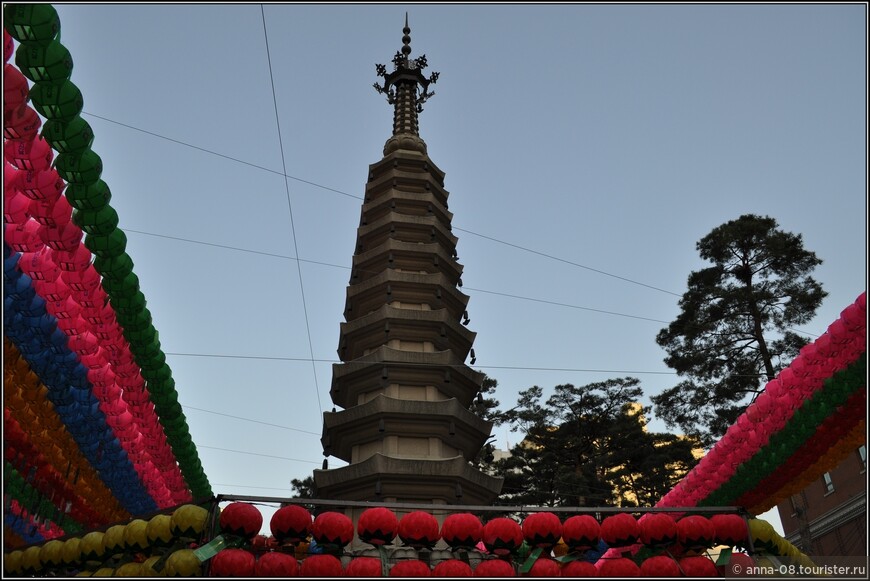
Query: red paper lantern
x,y
419,529
332,528
462,530
291,523
242,519
412,568
452,568
657,530
729,529
322,565
542,529
698,567
377,526
233,563
275,564
579,569
619,567
494,568
364,567
740,565
695,532
620,530
502,536
661,566
581,532
545,567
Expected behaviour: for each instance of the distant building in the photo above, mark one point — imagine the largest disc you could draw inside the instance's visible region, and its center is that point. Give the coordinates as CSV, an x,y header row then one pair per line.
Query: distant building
x,y
829,516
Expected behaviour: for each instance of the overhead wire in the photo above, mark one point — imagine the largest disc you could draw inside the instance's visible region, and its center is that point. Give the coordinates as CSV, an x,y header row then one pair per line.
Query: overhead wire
x,y
290,209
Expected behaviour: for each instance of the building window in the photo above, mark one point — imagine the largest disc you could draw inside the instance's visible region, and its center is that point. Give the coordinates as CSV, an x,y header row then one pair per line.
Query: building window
x,y
829,484
862,455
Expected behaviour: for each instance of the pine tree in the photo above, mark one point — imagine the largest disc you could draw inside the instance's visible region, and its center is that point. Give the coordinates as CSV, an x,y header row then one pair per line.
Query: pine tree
x,y
734,332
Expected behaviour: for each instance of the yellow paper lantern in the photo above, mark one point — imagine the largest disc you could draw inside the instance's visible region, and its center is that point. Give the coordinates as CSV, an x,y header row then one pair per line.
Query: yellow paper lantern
x,y
51,553
147,568
93,547
136,535
113,540
188,521
104,572
30,560
183,563
159,530
12,562
131,569
72,551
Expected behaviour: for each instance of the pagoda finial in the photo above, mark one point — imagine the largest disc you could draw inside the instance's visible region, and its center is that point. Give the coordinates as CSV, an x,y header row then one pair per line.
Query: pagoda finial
x,y
407,74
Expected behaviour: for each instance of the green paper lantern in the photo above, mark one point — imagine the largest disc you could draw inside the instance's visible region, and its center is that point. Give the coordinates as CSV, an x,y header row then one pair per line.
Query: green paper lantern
x,y
162,372
93,196
134,302
152,361
81,168
49,63
114,267
99,222
123,287
36,23
70,136
57,102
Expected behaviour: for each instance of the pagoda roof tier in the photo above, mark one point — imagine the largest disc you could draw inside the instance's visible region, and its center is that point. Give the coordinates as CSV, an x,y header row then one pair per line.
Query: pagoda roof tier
x,y
419,229
405,202
389,323
450,480
384,366
408,256
406,161
383,416
391,285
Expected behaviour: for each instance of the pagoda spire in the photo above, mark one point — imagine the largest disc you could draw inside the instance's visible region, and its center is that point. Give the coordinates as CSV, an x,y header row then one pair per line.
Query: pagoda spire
x,y
406,89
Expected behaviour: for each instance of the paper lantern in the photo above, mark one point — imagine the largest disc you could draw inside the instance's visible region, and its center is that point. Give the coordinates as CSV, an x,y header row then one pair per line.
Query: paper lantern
x,y
740,565
233,563
618,567
411,568
698,567
72,551
544,567
159,530
452,568
729,529
68,136
322,565
183,563
12,562
332,528
579,569
51,553
494,568
657,529
619,530
32,155
502,536
275,564
695,532
32,23
419,529
104,572
21,123
131,569
291,523
542,529
242,519
188,521
113,540
462,530
660,566
15,88
92,546
364,567
60,102
377,526
136,535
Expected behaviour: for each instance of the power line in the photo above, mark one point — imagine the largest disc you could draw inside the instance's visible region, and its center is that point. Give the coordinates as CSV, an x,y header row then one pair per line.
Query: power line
x,y
247,453
187,407
290,210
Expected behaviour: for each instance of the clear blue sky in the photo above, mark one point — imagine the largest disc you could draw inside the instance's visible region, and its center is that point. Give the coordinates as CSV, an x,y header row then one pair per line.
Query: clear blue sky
x,y
587,148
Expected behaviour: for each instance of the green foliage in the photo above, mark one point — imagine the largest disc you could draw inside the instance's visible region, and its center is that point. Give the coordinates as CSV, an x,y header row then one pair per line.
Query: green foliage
x,y
588,446
733,332
304,488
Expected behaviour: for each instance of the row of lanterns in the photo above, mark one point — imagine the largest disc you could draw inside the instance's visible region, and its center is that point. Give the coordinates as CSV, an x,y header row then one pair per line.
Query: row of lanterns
x,y
112,347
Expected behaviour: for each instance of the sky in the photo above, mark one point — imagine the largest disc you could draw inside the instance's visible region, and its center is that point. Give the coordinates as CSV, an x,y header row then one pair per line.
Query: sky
x,y
587,148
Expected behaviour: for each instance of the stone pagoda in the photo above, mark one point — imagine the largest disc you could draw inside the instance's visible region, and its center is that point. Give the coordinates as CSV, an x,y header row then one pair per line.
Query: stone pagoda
x,y
405,428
